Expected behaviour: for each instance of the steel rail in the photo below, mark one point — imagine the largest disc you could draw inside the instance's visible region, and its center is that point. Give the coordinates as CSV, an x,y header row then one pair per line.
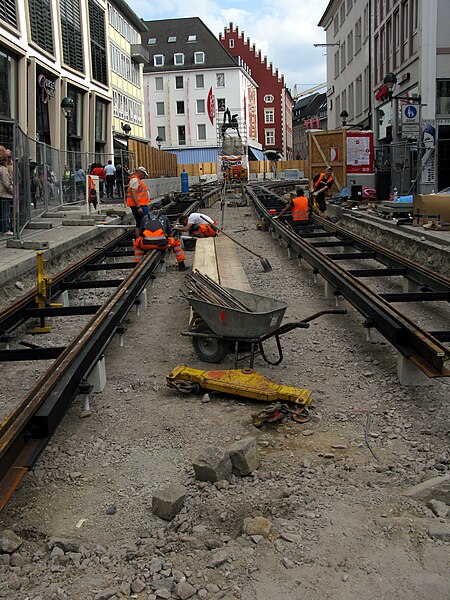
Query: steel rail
x,y
419,346
27,430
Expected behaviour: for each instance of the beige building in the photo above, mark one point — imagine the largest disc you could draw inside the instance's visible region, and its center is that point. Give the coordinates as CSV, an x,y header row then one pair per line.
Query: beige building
x,y
52,51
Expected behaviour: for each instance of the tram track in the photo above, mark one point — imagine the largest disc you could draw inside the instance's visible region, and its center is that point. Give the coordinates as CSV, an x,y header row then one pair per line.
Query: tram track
x,y
26,431
427,349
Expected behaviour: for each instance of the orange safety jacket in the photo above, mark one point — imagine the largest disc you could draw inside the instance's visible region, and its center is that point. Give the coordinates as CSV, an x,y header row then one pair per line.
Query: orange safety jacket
x,y
141,193
203,230
321,178
300,209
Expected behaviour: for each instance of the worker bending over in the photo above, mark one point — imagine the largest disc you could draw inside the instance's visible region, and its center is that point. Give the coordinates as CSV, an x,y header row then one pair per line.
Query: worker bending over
x,y
320,184
299,207
197,225
156,234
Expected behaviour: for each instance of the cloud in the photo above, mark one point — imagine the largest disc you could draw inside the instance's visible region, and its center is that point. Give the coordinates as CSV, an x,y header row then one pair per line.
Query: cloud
x,y
283,30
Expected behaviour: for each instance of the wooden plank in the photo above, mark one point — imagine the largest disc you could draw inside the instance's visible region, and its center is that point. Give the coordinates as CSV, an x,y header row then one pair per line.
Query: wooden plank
x,y
231,273
205,259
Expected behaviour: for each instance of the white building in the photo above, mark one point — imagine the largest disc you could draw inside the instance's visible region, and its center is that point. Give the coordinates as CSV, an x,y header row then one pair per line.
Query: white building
x,y
189,82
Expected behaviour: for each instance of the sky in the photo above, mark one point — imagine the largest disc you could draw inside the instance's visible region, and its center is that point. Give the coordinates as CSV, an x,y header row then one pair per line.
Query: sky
x,y
284,30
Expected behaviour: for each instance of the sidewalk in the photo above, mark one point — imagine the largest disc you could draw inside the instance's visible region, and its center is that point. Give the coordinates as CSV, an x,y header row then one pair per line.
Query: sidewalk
x,y
57,233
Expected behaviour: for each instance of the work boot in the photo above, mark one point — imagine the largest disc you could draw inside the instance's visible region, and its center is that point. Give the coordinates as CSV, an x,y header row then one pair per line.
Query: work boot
x,y
182,266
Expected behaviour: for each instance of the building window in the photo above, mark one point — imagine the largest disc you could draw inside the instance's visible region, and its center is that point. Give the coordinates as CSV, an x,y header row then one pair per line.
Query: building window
x,y
159,84
151,42
350,47
181,135
269,136
221,104
72,39
8,89
396,60
201,132
336,24
343,61
443,97
41,26
220,79
101,111
268,98
200,107
75,127
405,30
269,115
178,59
158,60
415,9
199,58
199,81
179,83
358,95
366,21
8,12
98,42
161,131
336,64
180,107
342,13
349,5
231,43
358,34
351,101
192,38
160,109
171,39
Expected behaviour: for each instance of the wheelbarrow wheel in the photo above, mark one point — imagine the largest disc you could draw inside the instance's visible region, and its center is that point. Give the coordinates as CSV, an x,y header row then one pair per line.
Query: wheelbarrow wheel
x,y
209,349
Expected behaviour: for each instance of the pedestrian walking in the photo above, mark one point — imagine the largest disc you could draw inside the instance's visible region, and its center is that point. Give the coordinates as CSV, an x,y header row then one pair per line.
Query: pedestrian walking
x,y
119,180
321,183
6,194
138,197
100,172
156,233
80,182
198,225
110,171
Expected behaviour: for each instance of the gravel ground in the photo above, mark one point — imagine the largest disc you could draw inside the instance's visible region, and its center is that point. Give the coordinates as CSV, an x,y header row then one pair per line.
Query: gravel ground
x,y
81,526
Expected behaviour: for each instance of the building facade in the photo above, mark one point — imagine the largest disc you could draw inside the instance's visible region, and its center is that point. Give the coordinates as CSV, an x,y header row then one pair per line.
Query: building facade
x,y
274,115
309,112
190,82
53,50
398,52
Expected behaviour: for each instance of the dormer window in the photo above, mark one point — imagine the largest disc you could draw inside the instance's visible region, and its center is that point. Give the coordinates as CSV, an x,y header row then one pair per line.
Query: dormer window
x,y
151,42
158,60
192,38
199,58
178,59
172,38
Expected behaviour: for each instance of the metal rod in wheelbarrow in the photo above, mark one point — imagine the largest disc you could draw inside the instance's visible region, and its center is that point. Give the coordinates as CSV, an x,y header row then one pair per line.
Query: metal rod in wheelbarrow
x,y
216,296
222,291
262,259
304,324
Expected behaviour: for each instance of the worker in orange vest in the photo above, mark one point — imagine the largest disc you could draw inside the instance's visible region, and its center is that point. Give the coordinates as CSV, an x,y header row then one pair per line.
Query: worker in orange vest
x,y
92,192
299,207
198,225
156,234
138,197
320,184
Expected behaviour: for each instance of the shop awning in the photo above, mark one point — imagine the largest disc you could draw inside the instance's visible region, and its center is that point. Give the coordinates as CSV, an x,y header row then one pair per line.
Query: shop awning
x,y
192,156
258,154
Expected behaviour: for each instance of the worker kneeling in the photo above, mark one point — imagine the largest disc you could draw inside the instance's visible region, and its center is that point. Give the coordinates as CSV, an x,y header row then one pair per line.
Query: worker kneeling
x,y
198,225
157,234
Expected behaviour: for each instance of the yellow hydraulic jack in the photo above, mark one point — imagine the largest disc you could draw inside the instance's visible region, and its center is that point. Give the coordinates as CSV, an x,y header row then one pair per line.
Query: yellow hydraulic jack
x,y
42,297
237,382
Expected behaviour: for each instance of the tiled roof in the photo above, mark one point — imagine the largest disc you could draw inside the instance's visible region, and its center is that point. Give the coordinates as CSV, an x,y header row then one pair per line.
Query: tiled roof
x,y
179,30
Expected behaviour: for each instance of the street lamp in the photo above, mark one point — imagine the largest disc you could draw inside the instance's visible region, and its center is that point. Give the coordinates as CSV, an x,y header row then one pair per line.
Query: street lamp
x,y
390,81
344,118
67,107
159,141
126,128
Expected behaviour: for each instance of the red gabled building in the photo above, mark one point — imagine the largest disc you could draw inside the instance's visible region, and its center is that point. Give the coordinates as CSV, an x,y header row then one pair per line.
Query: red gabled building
x,y
274,112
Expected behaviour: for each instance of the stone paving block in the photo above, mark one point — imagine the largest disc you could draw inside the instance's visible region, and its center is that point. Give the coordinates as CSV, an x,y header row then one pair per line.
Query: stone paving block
x,y
28,245
168,502
437,488
213,464
78,222
244,456
39,225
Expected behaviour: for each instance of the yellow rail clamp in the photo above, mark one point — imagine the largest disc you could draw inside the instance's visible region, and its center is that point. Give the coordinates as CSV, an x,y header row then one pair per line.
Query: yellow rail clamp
x,y
237,382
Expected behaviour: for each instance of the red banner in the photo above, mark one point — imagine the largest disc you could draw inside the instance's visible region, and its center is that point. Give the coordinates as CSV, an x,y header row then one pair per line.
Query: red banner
x,y
211,106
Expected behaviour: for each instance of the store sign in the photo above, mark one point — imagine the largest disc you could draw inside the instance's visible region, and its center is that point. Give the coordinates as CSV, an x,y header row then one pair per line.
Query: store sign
x,y
359,151
47,88
211,101
410,121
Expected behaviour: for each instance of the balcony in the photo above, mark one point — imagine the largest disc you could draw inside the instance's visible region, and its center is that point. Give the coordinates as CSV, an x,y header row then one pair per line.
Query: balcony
x,y
139,54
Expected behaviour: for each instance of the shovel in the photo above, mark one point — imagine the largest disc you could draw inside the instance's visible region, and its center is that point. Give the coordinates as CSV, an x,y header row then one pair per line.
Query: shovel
x,y
262,259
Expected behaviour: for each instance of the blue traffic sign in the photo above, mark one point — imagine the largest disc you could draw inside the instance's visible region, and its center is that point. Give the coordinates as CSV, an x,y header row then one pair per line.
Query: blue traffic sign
x,y
410,112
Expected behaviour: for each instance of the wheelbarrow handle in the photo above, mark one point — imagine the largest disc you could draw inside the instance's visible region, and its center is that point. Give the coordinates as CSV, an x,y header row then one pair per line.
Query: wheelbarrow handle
x,y
334,311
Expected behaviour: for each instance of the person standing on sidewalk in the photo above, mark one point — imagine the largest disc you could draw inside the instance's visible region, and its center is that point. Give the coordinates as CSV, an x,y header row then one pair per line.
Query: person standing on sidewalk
x,y
110,171
138,197
6,195
100,172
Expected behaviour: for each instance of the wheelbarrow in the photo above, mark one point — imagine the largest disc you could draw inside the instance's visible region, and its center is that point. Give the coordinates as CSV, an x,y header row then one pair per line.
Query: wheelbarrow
x,y
218,330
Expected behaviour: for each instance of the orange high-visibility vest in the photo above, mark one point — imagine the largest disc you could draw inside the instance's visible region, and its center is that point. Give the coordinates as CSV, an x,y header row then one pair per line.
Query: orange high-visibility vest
x,y
141,193
158,245
300,208
203,230
321,178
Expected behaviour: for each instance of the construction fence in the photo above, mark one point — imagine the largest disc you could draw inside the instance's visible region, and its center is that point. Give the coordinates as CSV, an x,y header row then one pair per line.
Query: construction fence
x,y
255,166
